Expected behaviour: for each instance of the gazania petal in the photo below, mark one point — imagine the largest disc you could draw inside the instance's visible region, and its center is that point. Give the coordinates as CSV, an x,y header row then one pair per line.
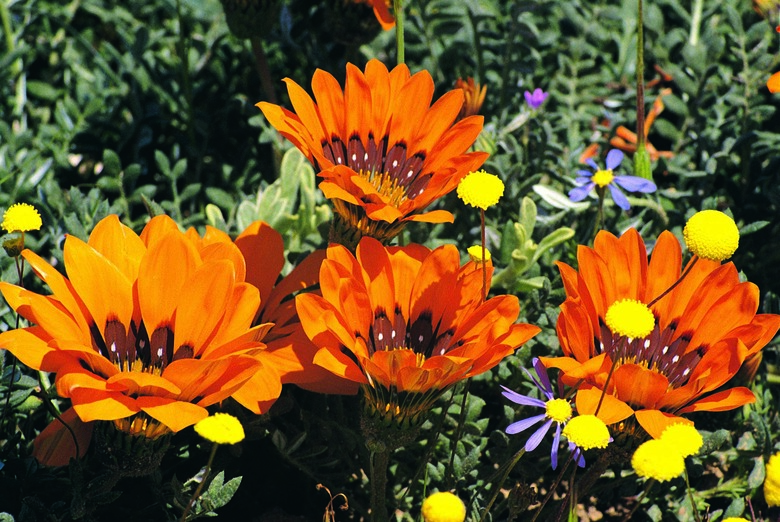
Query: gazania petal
x,y
54,446
655,422
722,401
92,405
175,414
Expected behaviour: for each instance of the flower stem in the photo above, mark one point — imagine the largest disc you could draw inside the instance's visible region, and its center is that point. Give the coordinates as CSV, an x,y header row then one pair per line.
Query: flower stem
x,y
639,500
261,64
484,267
698,7
685,273
640,78
500,483
696,514
380,458
398,11
200,484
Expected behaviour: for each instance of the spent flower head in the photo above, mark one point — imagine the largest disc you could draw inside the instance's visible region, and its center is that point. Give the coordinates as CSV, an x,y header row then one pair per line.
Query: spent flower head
x,y
658,459
606,178
712,235
535,99
220,428
556,411
480,189
443,507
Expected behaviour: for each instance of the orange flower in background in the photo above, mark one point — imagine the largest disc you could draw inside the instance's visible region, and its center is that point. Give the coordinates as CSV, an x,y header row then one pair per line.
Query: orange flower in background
x,y
384,164
773,84
406,323
474,96
670,358
626,140
381,11
145,331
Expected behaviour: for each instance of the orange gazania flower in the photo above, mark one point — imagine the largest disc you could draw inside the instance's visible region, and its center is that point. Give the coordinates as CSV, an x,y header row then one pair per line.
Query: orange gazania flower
x,y
703,331
287,345
146,331
474,96
381,11
384,164
406,323
773,84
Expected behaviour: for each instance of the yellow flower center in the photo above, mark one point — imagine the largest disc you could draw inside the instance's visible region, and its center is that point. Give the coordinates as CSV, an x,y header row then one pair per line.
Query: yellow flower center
x,y
480,189
602,178
558,410
21,217
657,459
387,186
443,507
475,253
587,432
711,235
684,438
630,318
220,428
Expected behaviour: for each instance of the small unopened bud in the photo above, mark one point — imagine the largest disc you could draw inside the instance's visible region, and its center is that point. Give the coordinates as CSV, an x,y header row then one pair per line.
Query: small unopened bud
x,y
14,245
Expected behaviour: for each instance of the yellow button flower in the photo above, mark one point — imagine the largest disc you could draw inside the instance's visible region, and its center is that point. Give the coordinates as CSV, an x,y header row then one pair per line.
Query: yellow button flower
x,y
684,438
587,432
21,217
220,428
657,459
630,318
443,507
772,481
711,235
480,189
475,253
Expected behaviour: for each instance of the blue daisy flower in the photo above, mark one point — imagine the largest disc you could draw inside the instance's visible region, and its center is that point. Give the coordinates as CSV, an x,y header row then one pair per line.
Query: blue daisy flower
x,y
601,178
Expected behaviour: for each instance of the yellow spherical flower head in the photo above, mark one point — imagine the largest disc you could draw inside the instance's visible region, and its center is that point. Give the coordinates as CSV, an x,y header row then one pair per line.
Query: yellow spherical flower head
x,y
475,253
21,217
443,507
480,189
772,481
735,519
711,235
657,459
221,428
587,432
630,318
684,438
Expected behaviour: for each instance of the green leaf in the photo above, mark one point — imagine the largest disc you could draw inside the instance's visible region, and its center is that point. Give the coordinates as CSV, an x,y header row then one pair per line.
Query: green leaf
x,y
112,165
220,492
558,200
42,90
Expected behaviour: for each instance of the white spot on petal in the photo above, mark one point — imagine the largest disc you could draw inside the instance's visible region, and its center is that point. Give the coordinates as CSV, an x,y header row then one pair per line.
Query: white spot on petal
x,y
647,343
395,163
675,358
380,336
420,339
666,349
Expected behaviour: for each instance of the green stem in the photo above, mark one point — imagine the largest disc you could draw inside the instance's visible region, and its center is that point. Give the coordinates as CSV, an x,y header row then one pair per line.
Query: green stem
x,y
261,64
698,7
640,78
484,266
456,439
639,500
200,484
182,48
500,483
398,11
380,459
696,514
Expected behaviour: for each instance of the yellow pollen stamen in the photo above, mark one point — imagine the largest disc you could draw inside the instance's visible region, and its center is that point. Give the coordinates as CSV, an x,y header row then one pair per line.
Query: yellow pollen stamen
x,y
387,186
602,178
558,410
630,318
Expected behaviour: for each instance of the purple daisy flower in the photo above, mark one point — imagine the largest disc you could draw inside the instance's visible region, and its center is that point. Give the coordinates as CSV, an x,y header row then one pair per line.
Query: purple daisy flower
x,y
601,178
557,411
536,99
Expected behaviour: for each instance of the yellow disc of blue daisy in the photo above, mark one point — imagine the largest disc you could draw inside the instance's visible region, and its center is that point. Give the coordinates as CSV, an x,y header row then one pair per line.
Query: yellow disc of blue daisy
x,y
221,428
711,235
21,217
480,189
443,507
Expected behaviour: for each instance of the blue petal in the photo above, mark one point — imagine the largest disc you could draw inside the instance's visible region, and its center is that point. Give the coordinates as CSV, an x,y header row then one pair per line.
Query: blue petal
x,y
534,440
635,184
522,399
580,193
521,425
582,180
541,371
592,163
614,157
556,444
619,197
